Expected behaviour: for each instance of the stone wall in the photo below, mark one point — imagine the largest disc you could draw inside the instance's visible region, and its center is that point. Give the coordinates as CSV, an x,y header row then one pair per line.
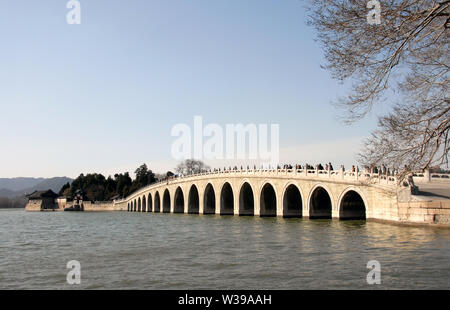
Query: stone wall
x,y
60,204
99,206
33,205
46,204
425,212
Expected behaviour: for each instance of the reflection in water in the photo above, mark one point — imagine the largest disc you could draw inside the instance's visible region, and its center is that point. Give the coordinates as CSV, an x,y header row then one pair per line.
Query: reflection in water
x,y
179,251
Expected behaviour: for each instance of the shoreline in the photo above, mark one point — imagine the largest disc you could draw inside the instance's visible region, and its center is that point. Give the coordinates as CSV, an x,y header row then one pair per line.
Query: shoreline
x,y
381,221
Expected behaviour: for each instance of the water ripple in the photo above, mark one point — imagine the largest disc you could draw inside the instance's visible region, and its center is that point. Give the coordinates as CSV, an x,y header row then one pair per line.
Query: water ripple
x,y
166,251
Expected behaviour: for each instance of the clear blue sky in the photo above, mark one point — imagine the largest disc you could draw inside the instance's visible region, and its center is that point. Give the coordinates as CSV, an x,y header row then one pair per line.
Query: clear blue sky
x,y
103,96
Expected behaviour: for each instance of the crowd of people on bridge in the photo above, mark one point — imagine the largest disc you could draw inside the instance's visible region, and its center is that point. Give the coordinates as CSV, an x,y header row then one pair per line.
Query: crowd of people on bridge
x,y
382,170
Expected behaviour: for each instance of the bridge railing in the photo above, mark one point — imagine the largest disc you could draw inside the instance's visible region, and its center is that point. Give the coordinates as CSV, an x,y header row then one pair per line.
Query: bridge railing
x,y
431,177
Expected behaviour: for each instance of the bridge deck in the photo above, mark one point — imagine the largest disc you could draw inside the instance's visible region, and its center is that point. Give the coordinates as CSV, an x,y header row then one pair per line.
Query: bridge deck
x,y
433,191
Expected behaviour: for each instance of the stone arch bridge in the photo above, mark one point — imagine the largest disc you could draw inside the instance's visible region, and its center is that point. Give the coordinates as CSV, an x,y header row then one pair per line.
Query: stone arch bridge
x,y
274,192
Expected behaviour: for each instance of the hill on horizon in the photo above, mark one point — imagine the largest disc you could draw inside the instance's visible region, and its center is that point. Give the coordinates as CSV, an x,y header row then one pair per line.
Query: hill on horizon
x,y
20,183
18,187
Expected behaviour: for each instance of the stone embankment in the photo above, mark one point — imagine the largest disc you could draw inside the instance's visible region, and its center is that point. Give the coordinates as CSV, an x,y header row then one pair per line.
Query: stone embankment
x,y
61,204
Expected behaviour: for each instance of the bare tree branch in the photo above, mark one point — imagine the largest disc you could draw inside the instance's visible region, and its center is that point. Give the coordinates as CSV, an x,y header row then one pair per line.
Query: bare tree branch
x,y
408,53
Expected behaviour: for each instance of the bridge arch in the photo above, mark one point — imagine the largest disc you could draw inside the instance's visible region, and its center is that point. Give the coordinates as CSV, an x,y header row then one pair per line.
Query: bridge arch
x,y
226,199
268,200
178,201
320,202
157,203
128,207
352,205
246,199
135,206
149,203
209,200
166,201
144,204
292,201
139,204
193,200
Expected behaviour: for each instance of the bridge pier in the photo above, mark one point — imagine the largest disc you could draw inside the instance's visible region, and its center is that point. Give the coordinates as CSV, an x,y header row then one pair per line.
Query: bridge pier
x,y
335,214
236,203
201,207
257,205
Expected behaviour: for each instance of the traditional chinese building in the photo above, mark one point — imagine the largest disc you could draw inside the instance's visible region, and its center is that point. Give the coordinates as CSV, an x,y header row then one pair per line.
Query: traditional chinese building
x,y
42,201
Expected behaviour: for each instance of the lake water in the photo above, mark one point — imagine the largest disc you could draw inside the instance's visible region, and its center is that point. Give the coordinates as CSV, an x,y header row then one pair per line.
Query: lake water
x,y
121,250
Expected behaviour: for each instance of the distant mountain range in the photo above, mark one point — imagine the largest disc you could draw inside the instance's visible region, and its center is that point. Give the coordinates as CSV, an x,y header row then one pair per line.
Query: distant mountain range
x,y
18,187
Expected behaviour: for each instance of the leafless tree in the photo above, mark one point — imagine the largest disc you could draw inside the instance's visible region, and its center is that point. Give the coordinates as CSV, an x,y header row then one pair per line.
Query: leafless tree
x,y
405,61
191,166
